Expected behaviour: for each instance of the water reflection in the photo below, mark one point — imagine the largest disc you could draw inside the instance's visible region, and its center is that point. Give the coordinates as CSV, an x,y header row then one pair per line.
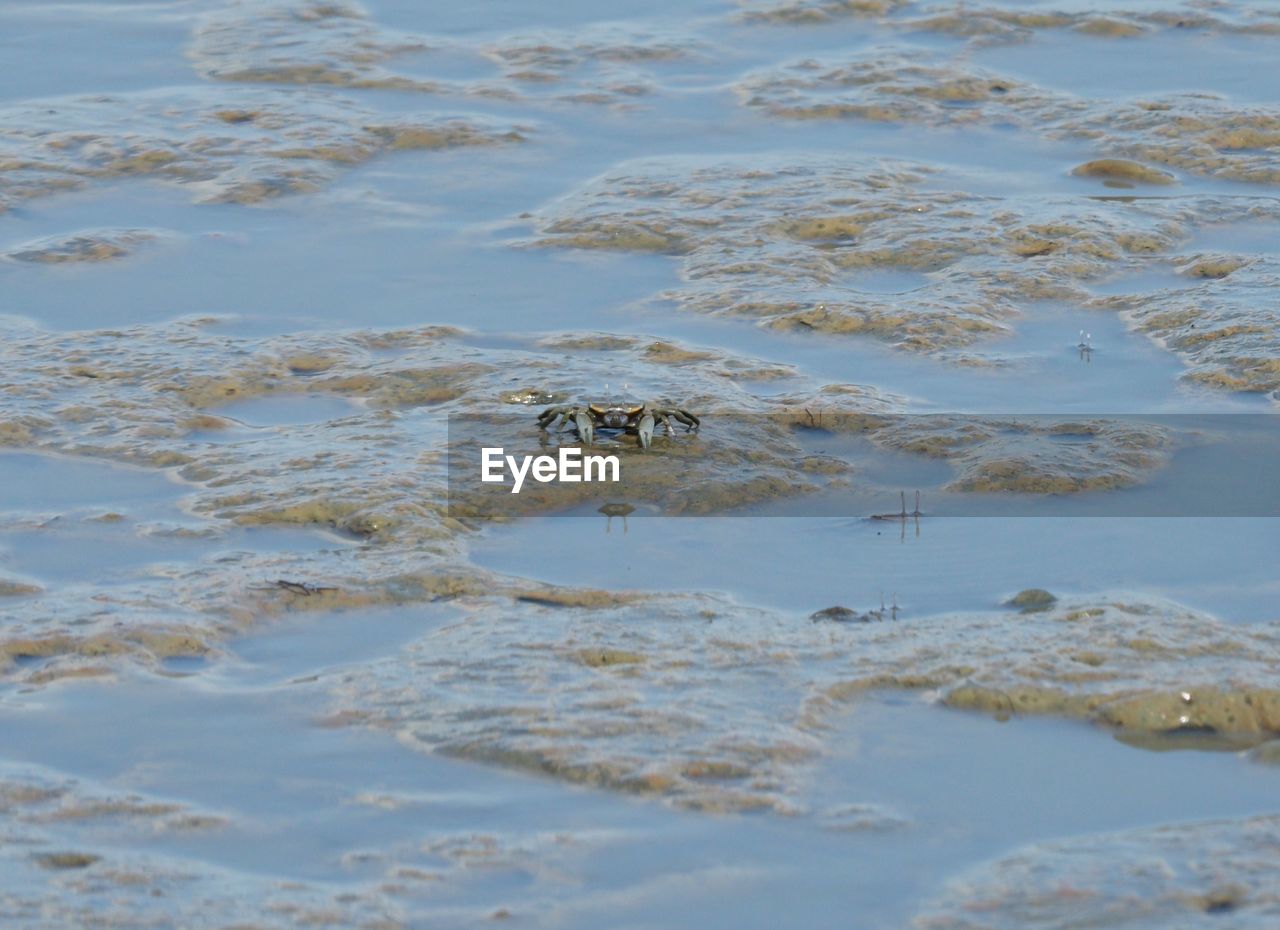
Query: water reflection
x,y
616,510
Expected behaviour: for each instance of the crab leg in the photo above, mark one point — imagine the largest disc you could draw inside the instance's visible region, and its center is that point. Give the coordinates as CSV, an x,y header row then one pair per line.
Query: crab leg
x,y
548,416
688,419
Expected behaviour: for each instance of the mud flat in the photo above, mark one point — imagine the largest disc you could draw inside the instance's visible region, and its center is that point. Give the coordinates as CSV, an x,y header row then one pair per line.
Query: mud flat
x,y
1003,22
315,44
799,230
244,147
368,462
1195,874
1202,134
657,696
266,661
1227,334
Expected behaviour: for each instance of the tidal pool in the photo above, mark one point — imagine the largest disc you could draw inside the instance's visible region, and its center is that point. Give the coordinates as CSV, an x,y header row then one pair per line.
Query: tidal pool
x,y
267,267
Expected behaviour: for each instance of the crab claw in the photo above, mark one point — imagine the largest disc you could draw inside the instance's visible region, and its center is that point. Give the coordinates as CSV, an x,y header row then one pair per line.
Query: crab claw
x,y
645,430
586,431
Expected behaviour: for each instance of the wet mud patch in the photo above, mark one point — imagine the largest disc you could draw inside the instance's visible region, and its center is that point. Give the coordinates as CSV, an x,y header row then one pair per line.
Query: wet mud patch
x,y
784,241
286,842
890,88
314,43
89,245
1200,874
703,686
309,42
992,23
63,864
605,64
771,240
54,886
1003,22
1021,456
288,409
841,439
237,146
34,796
1121,172
376,476
1201,134
800,12
1222,322
381,477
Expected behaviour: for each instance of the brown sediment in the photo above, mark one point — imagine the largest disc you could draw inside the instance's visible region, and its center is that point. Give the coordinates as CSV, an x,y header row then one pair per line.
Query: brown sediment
x,y
1220,323
303,42
666,352
70,656
1003,454
1110,28
55,825
654,673
815,11
1032,600
1191,875
279,143
1006,22
1197,133
1213,267
554,699
89,245
309,364
17,588
48,674
1122,169
140,396
1268,753
66,860
19,430
606,658
775,252
779,269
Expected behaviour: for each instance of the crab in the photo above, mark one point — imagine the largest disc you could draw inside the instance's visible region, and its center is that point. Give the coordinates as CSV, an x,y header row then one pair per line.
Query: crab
x,y
640,419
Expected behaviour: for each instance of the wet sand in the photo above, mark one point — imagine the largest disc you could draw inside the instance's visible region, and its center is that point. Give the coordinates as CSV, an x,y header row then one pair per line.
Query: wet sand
x,y
270,270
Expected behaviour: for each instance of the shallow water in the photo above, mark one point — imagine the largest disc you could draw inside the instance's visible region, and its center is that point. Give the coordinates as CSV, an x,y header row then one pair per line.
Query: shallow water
x,y
263,660
338,811
803,564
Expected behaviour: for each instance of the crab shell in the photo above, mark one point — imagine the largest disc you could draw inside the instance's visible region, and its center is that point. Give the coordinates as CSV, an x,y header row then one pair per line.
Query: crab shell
x,y
615,416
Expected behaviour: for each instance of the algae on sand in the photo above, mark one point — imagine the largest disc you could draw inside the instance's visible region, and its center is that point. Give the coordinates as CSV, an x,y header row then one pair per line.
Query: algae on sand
x,y
1193,875
239,145
86,245
1004,21
380,477
1223,322
781,240
1201,134
302,42
314,43
754,692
